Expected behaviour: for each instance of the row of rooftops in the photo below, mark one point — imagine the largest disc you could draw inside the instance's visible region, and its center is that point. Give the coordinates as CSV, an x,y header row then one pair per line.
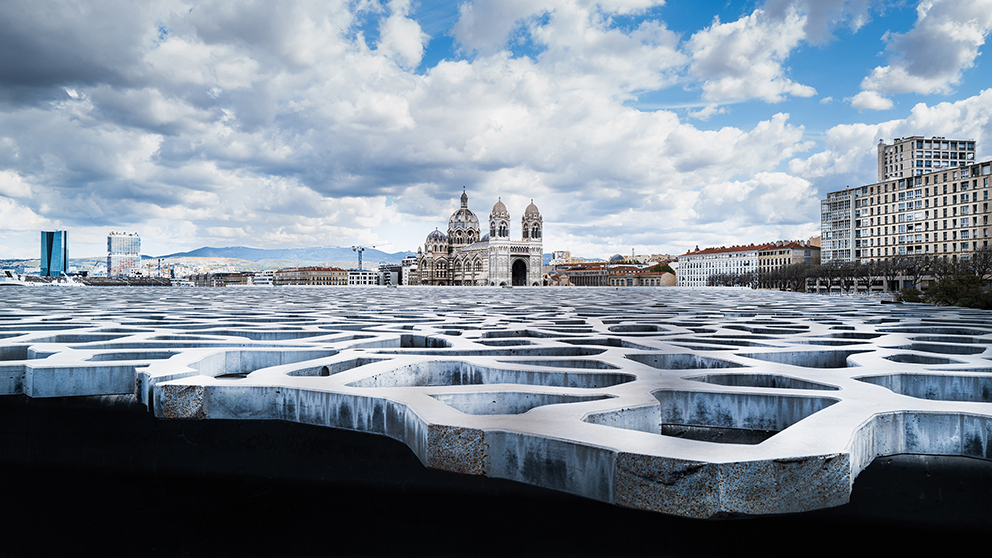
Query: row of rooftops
x,y
778,244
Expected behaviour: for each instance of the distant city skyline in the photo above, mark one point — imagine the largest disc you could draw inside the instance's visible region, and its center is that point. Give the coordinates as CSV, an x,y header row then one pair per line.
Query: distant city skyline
x,y
640,124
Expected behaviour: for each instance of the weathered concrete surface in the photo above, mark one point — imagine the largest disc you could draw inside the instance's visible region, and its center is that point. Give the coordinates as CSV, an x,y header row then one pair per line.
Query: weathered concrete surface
x,y
694,403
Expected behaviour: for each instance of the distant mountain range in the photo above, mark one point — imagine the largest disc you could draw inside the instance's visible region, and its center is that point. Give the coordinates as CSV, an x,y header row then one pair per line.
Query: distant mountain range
x,y
311,254
291,256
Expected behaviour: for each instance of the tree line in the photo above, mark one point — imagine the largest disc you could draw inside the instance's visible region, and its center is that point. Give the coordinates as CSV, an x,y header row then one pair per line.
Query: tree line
x,y
863,276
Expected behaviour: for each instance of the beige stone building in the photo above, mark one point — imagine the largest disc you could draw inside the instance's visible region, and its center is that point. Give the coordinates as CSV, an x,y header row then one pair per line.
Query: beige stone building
x,y
783,253
322,276
942,213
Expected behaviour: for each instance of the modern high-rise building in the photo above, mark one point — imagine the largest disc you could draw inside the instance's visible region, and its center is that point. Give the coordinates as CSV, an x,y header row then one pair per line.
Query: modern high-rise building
x,y
123,253
916,155
837,225
54,253
941,213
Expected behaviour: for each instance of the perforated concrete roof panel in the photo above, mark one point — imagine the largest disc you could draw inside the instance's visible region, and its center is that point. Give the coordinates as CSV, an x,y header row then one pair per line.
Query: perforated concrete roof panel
x,y
698,403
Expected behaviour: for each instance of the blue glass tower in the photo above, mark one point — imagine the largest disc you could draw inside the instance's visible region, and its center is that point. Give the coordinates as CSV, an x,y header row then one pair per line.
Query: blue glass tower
x,y
54,253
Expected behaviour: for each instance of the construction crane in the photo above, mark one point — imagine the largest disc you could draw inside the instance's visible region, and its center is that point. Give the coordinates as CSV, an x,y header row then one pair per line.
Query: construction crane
x,y
360,249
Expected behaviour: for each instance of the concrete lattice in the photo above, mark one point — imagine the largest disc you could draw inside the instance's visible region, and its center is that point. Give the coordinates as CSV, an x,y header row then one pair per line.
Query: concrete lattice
x,y
698,403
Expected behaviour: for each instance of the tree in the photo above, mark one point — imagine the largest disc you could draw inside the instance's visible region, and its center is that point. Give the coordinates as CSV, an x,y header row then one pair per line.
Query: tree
x,y
889,270
980,263
942,267
832,271
916,268
864,273
959,289
847,271
796,275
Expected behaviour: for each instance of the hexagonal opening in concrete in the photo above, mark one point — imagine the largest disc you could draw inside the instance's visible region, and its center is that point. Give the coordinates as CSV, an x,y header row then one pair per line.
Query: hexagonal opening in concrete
x,y
79,338
766,330
503,333
333,368
457,373
636,328
508,403
695,347
681,361
133,355
269,335
725,417
732,418
717,341
826,342
908,358
807,359
508,352
568,363
941,387
504,342
773,381
950,339
949,349
937,330
240,363
14,352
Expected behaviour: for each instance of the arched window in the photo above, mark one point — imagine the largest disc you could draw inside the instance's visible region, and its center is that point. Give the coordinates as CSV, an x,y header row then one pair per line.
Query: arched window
x,y
525,232
536,233
478,265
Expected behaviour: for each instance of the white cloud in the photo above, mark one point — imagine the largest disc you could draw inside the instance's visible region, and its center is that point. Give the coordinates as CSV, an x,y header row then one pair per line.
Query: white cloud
x,y
13,186
871,100
931,57
744,58
485,26
17,217
707,112
849,157
402,36
279,125
823,16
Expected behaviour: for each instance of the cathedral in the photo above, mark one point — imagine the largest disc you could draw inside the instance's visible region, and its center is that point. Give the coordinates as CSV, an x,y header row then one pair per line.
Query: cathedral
x,y
464,256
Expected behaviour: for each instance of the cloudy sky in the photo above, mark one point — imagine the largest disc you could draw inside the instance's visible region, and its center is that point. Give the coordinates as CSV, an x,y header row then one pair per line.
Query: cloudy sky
x,y
649,125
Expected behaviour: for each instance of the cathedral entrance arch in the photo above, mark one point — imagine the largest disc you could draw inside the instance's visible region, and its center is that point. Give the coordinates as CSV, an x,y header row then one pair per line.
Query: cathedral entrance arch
x,y
518,273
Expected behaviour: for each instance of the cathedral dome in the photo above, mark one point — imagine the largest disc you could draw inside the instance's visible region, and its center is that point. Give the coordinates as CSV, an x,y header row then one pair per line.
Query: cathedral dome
x,y
499,207
532,210
436,236
617,258
463,218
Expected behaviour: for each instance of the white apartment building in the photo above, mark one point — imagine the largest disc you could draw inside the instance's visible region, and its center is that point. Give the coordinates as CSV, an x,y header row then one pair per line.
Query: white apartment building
x,y
264,278
362,277
408,270
916,155
696,266
837,225
123,254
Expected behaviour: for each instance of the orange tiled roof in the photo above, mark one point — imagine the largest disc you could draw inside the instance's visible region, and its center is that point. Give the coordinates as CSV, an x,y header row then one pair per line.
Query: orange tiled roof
x,y
749,247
